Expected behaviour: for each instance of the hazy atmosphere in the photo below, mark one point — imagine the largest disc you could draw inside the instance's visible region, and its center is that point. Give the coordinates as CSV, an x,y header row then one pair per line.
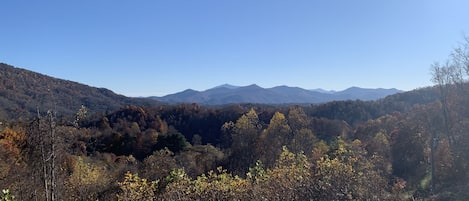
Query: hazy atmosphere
x,y
150,48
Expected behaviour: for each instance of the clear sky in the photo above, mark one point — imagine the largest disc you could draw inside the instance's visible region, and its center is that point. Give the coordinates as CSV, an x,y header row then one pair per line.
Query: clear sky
x,y
153,47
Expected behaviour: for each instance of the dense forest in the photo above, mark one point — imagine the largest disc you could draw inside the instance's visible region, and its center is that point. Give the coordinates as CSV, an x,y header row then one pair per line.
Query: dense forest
x,y
409,146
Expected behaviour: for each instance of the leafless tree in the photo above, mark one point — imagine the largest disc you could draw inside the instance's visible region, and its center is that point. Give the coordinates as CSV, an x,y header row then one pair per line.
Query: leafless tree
x,y
450,78
44,155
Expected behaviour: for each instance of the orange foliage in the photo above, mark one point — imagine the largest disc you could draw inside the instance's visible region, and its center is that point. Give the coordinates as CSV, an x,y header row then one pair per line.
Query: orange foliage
x,y
12,142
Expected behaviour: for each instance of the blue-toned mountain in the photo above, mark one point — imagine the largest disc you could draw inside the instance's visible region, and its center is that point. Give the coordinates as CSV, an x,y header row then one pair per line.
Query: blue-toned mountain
x,y
228,94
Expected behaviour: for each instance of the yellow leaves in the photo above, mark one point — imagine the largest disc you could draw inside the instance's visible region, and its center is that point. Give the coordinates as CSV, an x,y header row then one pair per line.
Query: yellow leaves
x,y
278,118
247,122
86,175
289,159
84,172
219,181
176,175
336,177
136,188
257,173
342,162
215,185
298,119
341,149
278,125
334,166
319,150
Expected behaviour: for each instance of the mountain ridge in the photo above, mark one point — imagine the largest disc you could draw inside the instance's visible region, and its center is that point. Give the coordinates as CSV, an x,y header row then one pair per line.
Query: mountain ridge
x,y
23,93
231,94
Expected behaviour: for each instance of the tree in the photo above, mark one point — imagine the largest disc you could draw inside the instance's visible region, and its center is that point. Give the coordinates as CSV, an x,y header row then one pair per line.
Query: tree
x,y
220,185
178,186
88,178
303,137
80,116
277,134
43,142
346,174
297,119
408,148
453,73
136,188
199,159
449,77
289,179
304,141
441,76
12,142
158,165
460,56
245,135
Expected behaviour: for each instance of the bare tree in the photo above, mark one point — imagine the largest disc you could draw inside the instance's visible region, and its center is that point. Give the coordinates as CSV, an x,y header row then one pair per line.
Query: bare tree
x,y
460,55
442,76
450,78
43,144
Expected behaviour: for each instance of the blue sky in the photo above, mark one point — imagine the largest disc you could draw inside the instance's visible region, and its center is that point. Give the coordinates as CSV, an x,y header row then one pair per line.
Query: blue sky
x,y
144,48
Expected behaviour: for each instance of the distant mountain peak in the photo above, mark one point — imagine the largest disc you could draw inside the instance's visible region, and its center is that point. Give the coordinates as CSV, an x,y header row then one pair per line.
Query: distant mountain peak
x,y
226,94
189,91
253,85
228,86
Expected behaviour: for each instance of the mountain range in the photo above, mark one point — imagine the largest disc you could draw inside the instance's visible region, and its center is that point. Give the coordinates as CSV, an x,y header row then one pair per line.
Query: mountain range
x,y
24,92
228,94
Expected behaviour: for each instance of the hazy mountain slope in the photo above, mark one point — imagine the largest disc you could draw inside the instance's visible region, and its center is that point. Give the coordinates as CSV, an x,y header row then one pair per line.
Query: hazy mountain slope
x,y
23,92
226,94
364,94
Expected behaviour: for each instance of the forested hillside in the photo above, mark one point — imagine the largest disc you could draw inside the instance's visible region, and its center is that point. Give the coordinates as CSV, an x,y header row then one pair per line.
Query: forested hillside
x,y
341,150
23,92
409,146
